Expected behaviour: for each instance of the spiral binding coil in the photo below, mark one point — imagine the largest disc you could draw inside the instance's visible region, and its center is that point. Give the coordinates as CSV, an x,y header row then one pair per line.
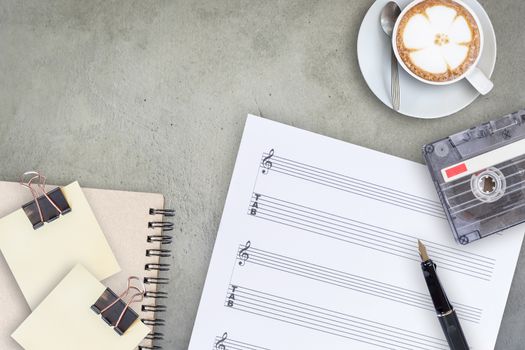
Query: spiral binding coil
x,y
154,308
155,336
156,295
157,267
155,322
162,239
163,253
156,280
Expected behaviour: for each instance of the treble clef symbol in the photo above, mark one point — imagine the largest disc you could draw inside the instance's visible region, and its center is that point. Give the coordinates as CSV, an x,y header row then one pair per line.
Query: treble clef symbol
x,y
219,344
267,163
243,255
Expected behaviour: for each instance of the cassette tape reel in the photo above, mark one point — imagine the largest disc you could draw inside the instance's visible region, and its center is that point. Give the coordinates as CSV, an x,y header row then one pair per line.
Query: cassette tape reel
x,y
479,175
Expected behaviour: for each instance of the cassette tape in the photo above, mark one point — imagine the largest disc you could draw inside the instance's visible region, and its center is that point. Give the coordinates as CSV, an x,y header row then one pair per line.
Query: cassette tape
x,y
479,175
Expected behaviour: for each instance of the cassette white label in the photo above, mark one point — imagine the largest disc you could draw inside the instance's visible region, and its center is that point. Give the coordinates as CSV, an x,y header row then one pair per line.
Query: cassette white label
x,y
483,161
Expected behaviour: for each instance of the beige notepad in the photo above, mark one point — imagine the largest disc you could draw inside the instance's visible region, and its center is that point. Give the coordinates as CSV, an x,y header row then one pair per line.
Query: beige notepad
x,y
40,258
123,217
65,321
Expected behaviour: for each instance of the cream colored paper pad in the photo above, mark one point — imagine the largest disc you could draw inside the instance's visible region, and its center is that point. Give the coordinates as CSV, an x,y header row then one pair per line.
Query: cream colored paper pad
x,y
65,321
123,217
40,258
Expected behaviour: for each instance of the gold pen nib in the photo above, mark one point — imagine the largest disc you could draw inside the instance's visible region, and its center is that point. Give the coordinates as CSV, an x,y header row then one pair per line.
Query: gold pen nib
x,y
422,251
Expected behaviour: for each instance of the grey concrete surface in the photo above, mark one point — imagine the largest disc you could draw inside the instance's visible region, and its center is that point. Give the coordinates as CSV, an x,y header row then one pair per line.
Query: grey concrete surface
x,y
152,96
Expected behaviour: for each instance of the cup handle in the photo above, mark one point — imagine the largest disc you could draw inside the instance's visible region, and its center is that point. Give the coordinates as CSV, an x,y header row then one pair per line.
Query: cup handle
x,y
479,81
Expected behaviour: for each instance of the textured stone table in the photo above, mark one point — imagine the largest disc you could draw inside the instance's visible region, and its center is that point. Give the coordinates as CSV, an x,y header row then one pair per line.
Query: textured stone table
x,y
152,96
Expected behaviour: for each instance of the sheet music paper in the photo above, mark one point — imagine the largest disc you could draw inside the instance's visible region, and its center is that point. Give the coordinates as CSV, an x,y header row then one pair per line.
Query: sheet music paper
x,y
65,321
317,249
40,258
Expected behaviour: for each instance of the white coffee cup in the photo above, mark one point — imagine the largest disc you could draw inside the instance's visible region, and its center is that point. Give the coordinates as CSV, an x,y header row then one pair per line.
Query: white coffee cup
x,y
473,74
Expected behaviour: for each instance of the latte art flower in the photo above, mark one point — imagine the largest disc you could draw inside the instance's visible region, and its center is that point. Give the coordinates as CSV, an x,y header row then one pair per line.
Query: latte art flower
x,y
438,40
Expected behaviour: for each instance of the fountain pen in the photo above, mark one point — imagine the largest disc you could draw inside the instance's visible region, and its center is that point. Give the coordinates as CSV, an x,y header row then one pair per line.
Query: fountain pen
x,y
445,312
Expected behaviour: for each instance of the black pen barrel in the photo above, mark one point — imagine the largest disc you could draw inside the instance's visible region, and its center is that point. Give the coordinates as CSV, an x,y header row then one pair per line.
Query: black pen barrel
x,y
447,316
453,332
439,298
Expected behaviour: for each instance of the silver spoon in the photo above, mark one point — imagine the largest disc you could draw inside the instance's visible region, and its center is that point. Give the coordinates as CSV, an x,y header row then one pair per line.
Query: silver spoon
x,y
389,16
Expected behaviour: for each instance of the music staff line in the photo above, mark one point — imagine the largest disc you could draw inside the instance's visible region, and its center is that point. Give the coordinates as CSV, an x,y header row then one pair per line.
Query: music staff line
x,y
268,165
351,180
394,236
364,241
225,343
365,235
352,282
355,186
329,321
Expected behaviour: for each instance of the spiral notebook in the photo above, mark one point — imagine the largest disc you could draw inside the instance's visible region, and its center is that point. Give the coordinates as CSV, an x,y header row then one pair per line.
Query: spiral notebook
x,y
137,232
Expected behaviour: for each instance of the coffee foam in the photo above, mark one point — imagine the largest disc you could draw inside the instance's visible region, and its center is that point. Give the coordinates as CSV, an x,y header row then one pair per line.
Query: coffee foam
x,y
438,39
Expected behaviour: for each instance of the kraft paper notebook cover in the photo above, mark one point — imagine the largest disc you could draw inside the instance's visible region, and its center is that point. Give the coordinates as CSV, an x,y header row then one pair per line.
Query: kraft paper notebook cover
x,y
132,233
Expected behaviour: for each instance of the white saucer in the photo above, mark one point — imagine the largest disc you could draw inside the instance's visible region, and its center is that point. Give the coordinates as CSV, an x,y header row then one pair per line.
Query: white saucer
x,y
418,99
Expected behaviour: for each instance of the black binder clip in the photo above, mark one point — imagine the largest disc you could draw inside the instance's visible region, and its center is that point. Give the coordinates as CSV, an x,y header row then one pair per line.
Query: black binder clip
x,y
46,208
115,312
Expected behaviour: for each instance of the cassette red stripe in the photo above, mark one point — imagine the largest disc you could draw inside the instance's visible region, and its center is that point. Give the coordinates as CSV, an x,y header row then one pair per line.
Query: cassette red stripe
x,y
458,169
